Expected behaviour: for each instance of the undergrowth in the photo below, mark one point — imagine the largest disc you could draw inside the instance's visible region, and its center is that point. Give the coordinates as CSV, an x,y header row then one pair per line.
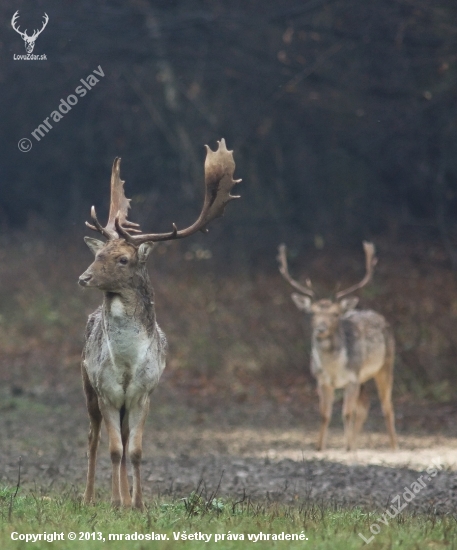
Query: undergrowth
x,y
238,325
218,523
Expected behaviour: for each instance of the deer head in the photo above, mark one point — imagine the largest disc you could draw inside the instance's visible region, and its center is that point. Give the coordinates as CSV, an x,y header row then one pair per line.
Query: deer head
x,y
326,313
118,260
28,40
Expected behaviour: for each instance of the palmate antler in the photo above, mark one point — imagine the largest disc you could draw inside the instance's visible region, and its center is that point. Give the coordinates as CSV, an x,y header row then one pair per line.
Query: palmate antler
x,y
119,207
283,269
370,262
219,169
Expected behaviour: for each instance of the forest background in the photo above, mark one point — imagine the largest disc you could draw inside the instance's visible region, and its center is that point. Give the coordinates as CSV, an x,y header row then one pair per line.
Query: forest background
x,y
342,117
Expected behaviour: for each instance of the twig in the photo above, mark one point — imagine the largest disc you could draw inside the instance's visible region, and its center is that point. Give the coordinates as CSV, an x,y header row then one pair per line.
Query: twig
x,y
214,494
10,509
235,504
18,475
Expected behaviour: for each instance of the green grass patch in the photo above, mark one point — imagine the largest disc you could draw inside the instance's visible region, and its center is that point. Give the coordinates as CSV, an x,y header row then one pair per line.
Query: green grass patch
x,y
197,523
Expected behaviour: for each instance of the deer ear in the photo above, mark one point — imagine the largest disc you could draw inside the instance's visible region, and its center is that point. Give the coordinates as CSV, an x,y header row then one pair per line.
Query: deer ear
x,y
349,303
144,250
94,244
302,302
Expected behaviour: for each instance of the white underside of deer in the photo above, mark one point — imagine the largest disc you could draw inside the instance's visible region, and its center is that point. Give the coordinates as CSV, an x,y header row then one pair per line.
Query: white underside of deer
x,y
129,364
123,363
332,367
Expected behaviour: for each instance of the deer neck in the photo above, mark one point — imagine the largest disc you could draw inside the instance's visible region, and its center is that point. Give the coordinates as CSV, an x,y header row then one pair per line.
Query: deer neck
x,y
132,306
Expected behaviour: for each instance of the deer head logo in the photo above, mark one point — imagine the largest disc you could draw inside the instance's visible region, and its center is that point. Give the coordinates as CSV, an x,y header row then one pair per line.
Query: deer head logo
x,y
28,40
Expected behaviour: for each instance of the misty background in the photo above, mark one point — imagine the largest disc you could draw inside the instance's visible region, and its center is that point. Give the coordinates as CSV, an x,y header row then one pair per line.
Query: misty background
x,y
342,118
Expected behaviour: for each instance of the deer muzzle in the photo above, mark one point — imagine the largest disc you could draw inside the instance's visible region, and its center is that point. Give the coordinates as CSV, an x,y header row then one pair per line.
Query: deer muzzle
x,y
84,279
321,330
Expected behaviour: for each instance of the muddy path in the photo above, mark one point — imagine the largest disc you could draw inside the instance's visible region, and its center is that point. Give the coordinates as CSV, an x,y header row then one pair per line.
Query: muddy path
x,y
261,451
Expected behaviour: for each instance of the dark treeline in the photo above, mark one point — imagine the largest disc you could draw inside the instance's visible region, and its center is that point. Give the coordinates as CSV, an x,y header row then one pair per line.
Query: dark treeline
x,y
342,114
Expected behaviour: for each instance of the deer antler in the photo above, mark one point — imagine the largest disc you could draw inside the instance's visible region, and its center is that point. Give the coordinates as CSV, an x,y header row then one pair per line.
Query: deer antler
x,y
45,22
118,209
370,262
13,24
24,34
219,168
283,269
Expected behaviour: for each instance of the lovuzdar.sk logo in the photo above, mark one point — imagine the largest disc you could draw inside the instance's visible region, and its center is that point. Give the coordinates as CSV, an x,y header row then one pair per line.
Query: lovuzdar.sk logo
x,y
29,41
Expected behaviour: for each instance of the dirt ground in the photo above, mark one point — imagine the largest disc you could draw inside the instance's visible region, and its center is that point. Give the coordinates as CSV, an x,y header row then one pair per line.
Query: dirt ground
x,y
256,449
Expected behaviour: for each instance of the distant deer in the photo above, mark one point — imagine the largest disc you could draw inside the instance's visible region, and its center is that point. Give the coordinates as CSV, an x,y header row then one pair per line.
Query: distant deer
x,y
348,348
124,353
29,41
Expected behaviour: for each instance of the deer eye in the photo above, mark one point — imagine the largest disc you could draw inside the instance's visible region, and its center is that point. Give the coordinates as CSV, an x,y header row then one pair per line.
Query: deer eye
x,y
124,261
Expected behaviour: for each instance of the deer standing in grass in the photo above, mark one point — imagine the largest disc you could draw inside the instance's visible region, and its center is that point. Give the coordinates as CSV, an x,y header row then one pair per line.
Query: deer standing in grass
x,y
349,347
124,353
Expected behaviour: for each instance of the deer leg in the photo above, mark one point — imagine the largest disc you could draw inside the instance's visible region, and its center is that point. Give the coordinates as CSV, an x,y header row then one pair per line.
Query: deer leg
x,y
111,416
361,411
124,481
137,419
95,418
326,394
384,383
351,395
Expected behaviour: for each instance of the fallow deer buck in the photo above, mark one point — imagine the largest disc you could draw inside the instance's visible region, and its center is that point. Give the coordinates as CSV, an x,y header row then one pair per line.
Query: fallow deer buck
x,y
349,347
124,353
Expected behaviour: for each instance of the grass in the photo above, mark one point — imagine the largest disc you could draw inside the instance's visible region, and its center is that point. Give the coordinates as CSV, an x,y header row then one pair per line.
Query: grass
x,y
230,524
